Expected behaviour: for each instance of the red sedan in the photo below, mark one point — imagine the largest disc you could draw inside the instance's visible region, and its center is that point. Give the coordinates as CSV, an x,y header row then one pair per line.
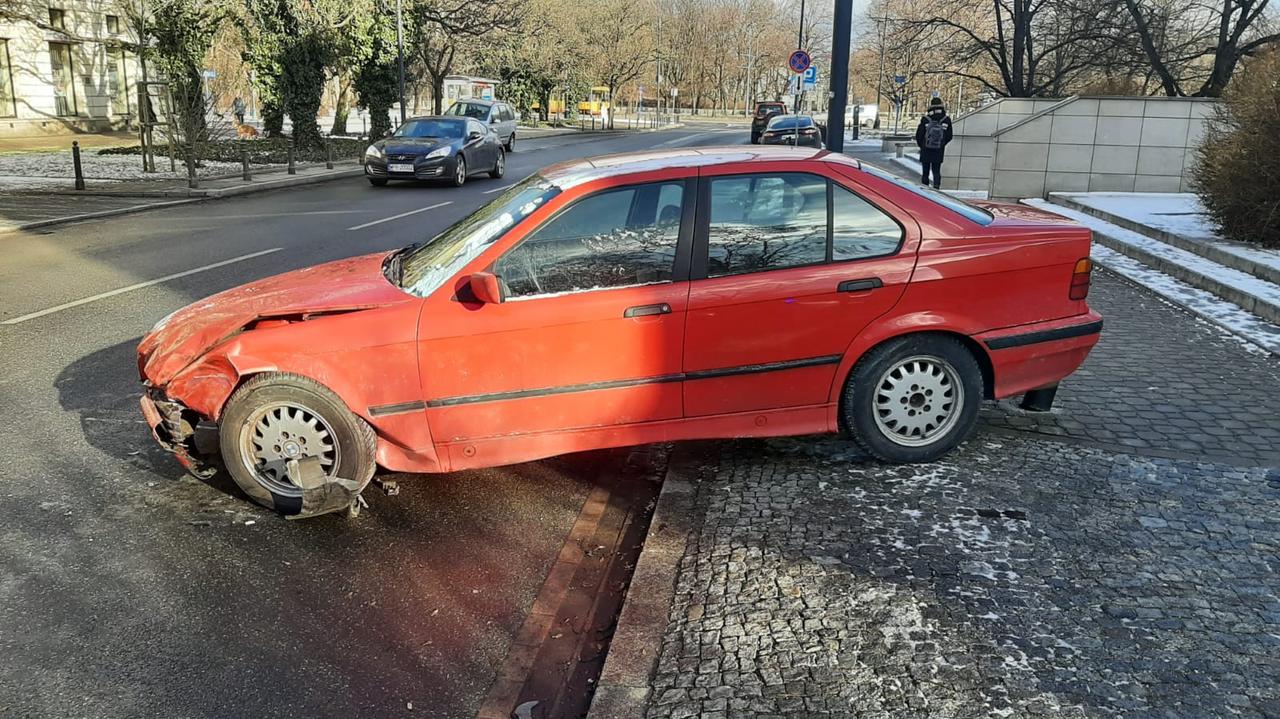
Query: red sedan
x,y
699,293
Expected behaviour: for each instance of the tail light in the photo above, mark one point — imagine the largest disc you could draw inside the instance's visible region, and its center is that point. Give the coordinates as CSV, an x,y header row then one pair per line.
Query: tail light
x,y
809,131
1080,279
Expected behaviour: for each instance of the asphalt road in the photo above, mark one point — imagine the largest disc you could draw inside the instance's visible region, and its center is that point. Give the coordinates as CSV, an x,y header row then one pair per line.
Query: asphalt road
x,y
129,589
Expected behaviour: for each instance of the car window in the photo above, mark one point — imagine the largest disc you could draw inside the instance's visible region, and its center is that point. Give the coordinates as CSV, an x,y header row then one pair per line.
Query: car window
x,y
860,229
427,268
507,113
788,122
469,109
613,238
429,128
969,212
766,222
473,126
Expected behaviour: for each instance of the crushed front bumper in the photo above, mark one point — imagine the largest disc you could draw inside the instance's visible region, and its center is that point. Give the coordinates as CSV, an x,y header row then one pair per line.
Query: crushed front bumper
x,y
174,427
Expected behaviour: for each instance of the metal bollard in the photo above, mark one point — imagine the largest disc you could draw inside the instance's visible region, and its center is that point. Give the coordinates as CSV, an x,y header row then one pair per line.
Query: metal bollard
x,y
244,164
293,170
902,149
328,162
75,160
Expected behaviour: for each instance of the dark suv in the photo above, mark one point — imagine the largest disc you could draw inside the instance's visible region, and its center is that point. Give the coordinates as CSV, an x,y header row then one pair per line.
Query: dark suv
x,y
764,111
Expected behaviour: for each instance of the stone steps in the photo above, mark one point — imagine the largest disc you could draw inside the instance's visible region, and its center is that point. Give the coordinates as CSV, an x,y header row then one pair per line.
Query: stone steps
x,y
1230,282
1207,250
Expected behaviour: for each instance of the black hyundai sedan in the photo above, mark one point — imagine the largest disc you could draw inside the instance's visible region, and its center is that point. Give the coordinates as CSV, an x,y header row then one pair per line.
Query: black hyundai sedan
x,y
435,148
792,130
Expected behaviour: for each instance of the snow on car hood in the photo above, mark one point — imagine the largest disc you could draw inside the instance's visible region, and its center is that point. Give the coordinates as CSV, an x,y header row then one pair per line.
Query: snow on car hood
x,y
345,285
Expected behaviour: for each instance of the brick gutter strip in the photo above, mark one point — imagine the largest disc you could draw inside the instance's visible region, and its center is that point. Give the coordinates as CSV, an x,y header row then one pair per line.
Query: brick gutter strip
x,y
623,689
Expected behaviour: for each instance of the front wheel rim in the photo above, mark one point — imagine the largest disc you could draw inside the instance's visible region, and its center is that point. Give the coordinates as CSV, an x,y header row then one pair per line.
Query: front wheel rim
x,y
918,401
502,161
279,432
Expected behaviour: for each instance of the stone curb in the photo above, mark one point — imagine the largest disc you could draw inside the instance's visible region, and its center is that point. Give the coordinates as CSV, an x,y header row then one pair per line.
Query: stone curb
x,y
623,689
1205,250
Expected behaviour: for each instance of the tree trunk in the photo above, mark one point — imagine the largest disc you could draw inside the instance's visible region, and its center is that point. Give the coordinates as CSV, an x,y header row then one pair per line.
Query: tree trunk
x,y
437,93
272,118
342,107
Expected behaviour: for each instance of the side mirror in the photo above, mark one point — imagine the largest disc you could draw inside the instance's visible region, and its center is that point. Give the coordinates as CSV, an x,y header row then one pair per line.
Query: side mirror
x,y
474,135
486,288
493,120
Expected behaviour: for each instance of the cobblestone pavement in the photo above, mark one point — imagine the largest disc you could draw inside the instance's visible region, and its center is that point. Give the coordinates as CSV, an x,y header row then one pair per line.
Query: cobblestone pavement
x,y
1021,578
1161,380
1116,558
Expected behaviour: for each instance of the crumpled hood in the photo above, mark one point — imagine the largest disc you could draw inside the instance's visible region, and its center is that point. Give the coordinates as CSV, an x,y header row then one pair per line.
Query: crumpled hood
x,y
182,337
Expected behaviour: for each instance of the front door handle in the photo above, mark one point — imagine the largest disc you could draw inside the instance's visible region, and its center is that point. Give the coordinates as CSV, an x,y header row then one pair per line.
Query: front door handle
x,y
862,285
647,310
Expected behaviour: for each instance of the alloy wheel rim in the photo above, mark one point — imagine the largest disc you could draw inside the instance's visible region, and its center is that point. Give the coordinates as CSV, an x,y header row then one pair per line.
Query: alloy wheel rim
x,y
283,431
461,171
918,401
502,162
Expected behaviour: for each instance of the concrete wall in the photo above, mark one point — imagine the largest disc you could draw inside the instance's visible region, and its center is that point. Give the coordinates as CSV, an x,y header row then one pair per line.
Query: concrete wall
x,y
969,156
97,106
1081,144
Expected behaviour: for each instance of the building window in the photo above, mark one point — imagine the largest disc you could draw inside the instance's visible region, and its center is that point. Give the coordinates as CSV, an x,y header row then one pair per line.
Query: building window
x,y
61,71
8,103
113,24
118,81
57,18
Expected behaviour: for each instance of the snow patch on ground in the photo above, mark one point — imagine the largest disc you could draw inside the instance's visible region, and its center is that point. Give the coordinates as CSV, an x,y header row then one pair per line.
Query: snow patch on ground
x,y
1178,213
1241,281
28,170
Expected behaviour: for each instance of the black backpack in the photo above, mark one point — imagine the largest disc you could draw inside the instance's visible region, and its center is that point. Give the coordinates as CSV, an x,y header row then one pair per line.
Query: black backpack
x,y
935,134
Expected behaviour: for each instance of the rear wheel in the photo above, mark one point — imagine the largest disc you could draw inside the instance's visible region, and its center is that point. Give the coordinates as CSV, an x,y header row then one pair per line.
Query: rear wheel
x,y
913,399
377,182
499,166
459,172
273,418
511,143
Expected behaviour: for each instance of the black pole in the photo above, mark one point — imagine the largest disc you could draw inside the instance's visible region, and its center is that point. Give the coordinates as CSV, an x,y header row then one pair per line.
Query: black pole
x,y
400,57
800,46
842,27
880,76
75,160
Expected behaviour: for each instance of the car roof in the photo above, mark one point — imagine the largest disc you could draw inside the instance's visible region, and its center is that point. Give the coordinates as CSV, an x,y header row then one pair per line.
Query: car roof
x,y
577,172
477,101
449,118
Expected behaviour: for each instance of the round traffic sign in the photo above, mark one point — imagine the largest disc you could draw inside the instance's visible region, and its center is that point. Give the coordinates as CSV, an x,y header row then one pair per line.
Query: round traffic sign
x,y
799,61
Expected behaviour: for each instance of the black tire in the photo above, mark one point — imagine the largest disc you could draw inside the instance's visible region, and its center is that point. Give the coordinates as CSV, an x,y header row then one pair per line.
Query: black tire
x,y
377,182
499,166
356,444
510,144
459,173
869,392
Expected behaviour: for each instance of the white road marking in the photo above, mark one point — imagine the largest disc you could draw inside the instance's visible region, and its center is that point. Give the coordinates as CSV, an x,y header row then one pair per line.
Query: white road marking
x,y
498,189
402,214
138,286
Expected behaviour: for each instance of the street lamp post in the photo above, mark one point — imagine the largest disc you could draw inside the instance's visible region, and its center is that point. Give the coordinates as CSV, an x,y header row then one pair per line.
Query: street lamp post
x,y
842,23
882,21
800,46
400,56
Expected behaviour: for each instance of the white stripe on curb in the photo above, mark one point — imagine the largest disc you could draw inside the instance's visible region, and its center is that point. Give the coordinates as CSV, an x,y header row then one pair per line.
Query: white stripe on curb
x,y
138,286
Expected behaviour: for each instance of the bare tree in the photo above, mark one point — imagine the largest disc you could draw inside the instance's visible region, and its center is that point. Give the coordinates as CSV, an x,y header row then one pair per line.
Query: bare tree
x,y
1181,40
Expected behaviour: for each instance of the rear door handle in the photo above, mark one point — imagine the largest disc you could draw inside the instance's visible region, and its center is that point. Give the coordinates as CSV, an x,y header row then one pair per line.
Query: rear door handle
x,y
647,310
862,285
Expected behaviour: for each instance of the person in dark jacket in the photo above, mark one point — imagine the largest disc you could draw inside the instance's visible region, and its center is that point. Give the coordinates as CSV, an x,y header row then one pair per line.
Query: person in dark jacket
x,y
932,136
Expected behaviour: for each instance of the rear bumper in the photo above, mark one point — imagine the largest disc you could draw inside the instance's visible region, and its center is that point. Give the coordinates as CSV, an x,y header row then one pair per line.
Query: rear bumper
x,y
1039,355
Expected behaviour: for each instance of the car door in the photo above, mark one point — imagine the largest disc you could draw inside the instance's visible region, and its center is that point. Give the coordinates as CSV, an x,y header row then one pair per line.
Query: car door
x,y
480,150
788,266
590,334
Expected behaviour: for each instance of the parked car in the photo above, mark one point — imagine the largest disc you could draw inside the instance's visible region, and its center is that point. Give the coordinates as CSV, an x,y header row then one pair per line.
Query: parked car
x,y
798,130
430,148
764,111
497,115
596,304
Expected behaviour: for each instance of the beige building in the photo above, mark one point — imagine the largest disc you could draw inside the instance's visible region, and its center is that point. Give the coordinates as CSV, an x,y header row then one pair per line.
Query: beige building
x,y
63,68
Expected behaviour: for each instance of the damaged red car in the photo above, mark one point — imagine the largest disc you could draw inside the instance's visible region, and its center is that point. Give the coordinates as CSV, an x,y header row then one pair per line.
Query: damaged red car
x,y
698,293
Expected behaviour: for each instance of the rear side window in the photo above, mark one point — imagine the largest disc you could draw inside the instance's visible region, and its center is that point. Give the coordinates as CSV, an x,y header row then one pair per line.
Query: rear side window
x,y
614,238
766,222
859,229
969,212
774,221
